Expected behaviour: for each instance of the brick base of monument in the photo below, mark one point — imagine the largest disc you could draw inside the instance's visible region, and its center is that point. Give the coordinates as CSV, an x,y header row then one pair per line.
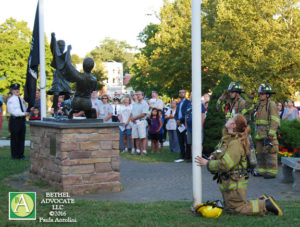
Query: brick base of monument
x,y
76,160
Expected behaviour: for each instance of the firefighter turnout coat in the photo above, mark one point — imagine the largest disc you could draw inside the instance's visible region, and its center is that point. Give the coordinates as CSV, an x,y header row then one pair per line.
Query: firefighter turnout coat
x,y
233,107
266,123
230,167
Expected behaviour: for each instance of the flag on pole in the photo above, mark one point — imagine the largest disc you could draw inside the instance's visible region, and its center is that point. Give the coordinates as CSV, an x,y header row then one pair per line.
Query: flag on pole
x,y
33,63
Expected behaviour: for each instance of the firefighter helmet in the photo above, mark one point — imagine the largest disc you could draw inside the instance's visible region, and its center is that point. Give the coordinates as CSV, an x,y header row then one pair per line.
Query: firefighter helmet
x,y
235,87
210,209
265,89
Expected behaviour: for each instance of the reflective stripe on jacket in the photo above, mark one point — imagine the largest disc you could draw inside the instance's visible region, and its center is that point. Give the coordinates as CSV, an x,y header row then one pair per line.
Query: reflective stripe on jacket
x,y
232,160
266,119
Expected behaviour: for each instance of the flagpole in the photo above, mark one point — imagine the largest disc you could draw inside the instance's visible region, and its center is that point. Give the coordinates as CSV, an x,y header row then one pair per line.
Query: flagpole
x,y
42,59
196,98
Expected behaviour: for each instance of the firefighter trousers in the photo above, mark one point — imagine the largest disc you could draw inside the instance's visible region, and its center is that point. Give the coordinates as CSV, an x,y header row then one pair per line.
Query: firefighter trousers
x,y
235,202
267,158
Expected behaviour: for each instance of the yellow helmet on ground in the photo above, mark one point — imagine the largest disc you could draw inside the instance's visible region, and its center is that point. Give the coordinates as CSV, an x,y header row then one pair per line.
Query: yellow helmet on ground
x,y
210,209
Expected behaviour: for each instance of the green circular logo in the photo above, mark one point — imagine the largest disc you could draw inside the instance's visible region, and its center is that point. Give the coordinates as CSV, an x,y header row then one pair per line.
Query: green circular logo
x,y
22,205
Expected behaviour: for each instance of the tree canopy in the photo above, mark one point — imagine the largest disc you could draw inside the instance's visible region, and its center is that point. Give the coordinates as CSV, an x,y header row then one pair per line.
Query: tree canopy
x,y
251,41
114,50
110,50
15,39
254,42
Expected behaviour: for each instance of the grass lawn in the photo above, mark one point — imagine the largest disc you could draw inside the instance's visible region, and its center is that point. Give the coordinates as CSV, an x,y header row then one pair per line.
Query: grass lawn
x,y
166,156
106,213
4,132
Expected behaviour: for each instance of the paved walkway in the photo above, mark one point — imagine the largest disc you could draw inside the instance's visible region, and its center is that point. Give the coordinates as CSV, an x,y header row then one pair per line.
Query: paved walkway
x,y
148,182
7,143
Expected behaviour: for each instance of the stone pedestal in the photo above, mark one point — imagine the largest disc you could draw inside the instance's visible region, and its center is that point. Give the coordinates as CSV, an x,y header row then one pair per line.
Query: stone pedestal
x,y
77,157
291,172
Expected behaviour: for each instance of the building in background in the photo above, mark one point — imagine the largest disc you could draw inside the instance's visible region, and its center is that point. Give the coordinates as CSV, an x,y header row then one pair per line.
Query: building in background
x,y
116,81
127,90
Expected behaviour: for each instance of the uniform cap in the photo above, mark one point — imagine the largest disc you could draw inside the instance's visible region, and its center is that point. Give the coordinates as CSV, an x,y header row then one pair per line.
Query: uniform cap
x,y
15,86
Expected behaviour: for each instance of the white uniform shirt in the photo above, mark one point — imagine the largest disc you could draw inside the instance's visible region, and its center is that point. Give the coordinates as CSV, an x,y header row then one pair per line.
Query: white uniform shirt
x,y
14,108
116,109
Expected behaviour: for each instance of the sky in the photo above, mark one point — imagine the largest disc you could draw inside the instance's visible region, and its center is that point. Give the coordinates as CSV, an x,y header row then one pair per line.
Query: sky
x,y
84,23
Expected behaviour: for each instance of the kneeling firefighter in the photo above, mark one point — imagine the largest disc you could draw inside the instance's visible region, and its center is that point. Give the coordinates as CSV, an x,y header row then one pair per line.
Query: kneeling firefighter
x,y
229,164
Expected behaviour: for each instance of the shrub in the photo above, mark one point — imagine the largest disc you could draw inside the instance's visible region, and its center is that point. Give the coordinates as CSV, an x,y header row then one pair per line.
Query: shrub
x,y
289,138
215,120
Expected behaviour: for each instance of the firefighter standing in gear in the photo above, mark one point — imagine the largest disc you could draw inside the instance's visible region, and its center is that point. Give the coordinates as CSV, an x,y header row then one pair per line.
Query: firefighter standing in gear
x,y
229,164
235,104
266,123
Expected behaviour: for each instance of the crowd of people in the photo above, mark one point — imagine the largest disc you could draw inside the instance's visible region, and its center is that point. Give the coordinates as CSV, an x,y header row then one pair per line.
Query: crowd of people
x,y
150,119
144,119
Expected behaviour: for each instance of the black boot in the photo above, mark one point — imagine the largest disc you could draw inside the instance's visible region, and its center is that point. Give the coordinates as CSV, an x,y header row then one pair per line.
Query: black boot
x,y
271,206
263,197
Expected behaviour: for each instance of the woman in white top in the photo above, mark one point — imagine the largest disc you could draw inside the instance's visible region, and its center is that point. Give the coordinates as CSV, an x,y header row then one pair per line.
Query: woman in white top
x,y
171,127
105,110
125,129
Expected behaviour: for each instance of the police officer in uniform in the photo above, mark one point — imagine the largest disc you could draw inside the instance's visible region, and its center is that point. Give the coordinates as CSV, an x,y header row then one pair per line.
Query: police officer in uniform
x,y
229,163
233,105
17,108
266,122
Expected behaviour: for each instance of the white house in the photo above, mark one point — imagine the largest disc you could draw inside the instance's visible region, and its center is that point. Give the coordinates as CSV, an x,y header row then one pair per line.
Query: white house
x,y
114,82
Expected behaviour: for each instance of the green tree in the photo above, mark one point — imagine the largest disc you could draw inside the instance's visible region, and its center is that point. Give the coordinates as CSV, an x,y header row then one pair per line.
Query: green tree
x,y
15,39
254,42
141,80
165,62
214,121
100,73
114,50
75,59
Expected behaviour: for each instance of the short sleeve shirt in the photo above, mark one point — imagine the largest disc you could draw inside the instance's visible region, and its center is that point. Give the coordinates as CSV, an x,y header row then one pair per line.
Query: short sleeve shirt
x,y
171,124
96,103
157,103
125,112
293,116
105,110
140,108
